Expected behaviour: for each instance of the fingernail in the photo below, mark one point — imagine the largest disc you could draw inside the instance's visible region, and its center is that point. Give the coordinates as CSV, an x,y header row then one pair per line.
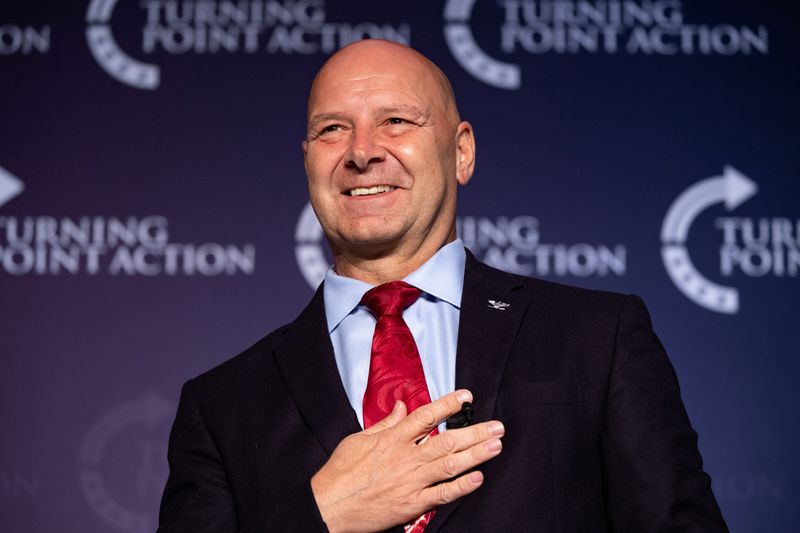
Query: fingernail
x,y
464,396
476,477
494,445
497,428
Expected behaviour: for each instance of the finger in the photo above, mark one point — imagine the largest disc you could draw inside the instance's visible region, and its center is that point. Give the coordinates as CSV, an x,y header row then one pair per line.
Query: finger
x,y
451,465
427,417
392,419
443,493
456,440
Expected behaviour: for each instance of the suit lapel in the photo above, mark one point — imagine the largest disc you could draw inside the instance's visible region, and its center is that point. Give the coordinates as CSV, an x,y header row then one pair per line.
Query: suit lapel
x,y
307,364
486,334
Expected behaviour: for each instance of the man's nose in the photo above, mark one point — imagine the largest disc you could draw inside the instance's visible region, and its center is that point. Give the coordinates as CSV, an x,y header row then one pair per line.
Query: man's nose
x,y
364,150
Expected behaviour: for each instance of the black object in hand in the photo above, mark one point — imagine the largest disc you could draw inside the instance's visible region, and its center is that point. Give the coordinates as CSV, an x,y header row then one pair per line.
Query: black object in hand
x,y
460,419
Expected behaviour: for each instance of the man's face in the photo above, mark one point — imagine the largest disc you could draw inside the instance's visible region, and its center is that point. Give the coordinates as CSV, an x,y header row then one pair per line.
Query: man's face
x,y
381,153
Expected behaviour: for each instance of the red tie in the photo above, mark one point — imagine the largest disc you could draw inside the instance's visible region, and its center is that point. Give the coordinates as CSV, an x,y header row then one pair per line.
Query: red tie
x,y
395,369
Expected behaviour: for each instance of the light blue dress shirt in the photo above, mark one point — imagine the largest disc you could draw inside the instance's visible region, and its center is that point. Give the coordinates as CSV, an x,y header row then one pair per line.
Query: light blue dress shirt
x,y
432,319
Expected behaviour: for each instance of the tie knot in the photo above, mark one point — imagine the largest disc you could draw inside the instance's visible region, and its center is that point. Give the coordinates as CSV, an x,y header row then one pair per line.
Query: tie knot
x,y
390,298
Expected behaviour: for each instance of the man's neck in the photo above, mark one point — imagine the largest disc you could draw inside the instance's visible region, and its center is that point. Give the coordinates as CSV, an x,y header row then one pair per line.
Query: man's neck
x,y
382,268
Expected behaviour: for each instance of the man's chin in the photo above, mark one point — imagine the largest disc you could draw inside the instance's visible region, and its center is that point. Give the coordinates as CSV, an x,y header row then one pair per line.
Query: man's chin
x,y
368,244
372,248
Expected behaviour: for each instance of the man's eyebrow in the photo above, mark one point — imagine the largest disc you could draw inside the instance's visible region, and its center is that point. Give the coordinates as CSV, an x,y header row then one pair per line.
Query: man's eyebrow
x,y
409,109
322,117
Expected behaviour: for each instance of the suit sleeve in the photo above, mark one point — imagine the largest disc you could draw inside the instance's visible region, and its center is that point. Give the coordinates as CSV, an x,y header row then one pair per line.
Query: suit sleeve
x,y
654,472
198,498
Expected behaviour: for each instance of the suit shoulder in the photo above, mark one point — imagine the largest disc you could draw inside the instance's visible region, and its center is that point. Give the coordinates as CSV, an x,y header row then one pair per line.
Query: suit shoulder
x,y
561,299
550,289
573,294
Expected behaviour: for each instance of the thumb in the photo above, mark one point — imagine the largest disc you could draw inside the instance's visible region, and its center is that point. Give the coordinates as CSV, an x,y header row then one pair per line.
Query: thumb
x,y
399,412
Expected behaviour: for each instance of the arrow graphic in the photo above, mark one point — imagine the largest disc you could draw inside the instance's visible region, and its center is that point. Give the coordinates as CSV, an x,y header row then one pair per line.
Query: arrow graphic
x,y
10,186
110,56
733,188
469,55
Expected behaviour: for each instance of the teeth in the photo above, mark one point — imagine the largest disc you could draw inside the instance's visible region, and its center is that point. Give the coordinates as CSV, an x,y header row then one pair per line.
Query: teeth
x,y
364,191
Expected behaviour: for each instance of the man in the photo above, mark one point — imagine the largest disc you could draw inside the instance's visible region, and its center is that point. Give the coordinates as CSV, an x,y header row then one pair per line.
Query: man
x,y
574,382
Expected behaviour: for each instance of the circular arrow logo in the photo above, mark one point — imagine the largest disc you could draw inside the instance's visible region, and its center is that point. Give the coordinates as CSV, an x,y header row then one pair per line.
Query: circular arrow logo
x,y
733,189
143,416
309,251
110,56
469,55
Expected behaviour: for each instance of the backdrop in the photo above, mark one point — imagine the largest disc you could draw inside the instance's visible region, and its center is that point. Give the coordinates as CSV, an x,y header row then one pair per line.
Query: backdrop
x,y
154,218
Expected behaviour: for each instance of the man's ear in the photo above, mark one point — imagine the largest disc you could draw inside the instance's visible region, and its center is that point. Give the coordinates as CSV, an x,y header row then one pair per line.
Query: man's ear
x,y
465,152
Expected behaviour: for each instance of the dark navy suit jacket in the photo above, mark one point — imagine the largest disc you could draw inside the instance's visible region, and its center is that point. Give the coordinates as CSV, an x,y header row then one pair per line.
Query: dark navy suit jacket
x,y
597,437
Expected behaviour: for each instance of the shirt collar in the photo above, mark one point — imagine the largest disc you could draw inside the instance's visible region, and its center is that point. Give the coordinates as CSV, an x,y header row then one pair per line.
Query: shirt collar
x,y
442,276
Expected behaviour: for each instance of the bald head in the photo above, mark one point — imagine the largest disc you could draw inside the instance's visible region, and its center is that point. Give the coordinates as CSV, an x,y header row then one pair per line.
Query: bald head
x,y
375,58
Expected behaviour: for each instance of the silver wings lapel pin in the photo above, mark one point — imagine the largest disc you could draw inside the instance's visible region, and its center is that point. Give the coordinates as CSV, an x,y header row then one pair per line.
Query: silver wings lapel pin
x,y
497,304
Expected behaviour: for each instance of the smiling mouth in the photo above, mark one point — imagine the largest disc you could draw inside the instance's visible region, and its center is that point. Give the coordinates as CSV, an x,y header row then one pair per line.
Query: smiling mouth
x,y
369,191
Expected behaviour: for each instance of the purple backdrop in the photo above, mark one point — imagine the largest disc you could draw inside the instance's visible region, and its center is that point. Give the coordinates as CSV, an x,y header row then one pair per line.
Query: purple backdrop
x,y
153,213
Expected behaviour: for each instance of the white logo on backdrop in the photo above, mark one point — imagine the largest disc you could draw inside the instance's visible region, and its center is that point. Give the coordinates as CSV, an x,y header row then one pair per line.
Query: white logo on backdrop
x,y
95,245
109,55
633,27
469,55
20,484
309,250
752,247
24,40
132,434
207,27
512,244
10,186
731,188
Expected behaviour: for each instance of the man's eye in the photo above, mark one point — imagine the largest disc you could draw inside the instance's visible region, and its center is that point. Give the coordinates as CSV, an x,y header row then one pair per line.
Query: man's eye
x,y
330,128
396,120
